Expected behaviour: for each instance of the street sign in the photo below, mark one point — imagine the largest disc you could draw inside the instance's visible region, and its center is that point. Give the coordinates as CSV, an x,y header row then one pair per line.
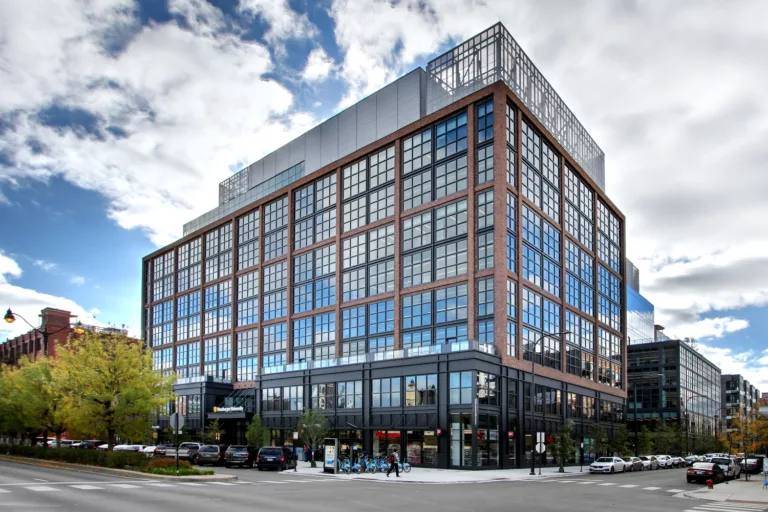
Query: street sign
x,y
177,421
295,436
541,447
540,437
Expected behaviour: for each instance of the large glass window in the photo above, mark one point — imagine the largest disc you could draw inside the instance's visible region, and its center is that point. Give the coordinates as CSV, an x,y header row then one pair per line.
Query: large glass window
x,y
324,396
376,248
275,230
188,316
188,360
350,395
511,154
420,390
541,252
386,392
218,253
163,270
487,389
248,228
315,212
511,230
460,384
541,172
274,344
188,276
369,191
314,279
218,307
217,354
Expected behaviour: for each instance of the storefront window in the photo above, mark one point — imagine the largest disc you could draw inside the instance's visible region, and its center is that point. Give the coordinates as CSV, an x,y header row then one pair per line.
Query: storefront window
x,y
385,442
460,388
461,440
512,449
488,440
422,447
420,390
486,389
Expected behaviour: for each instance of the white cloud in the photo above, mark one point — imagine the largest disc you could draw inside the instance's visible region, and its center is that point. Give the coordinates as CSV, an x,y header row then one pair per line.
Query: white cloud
x,y
284,22
185,105
28,303
746,363
319,66
47,266
9,269
77,280
684,140
95,311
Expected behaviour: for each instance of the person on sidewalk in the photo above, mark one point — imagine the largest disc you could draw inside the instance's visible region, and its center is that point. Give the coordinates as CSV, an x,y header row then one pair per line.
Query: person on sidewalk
x,y
394,461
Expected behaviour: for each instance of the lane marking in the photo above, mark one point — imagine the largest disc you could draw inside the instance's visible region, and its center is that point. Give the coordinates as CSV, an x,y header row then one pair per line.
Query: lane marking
x,y
40,480
607,484
125,486
651,488
221,483
585,483
272,482
161,485
191,483
675,490
728,506
4,490
628,486
41,488
86,487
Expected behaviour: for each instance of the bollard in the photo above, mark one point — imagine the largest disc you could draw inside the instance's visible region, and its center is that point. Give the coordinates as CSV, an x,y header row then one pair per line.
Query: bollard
x,y
710,484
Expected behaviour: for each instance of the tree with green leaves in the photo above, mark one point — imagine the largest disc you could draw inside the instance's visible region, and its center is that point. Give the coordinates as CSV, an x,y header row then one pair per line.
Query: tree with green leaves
x,y
599,434
12,420
313,429
620,442
663,439
40,397
257,435
214,433
110,385
644,441
562,444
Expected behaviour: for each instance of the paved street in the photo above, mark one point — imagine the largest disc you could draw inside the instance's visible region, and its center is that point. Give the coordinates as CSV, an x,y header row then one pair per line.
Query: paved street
x,y
24,487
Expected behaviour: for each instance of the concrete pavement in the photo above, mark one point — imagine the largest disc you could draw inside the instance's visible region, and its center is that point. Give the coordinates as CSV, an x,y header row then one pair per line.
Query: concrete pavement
x,y
735,491
27,488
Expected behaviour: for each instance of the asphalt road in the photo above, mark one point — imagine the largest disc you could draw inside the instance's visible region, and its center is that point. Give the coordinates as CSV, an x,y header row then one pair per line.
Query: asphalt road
x,y
24,487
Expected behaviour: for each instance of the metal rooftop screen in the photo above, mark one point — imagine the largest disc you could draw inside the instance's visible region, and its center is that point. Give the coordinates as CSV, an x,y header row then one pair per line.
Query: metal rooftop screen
x,y
494,55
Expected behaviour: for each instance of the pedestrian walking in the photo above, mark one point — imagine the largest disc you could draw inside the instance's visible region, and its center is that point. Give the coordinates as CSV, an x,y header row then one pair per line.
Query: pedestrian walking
x,y
394,460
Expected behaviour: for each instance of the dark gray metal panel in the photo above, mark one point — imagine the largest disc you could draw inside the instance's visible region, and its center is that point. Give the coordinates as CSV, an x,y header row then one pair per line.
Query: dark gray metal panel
x,y
330,141
408,99
298,149
366,121
270,167
386,110
255,173
283,158
347,131
313,145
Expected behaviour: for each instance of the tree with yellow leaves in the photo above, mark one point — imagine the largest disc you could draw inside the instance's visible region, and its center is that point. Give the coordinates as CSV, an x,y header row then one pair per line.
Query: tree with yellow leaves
x,y
110,386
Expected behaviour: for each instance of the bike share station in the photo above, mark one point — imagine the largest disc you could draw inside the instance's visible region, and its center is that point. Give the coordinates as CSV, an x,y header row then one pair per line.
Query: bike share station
x,y
331,449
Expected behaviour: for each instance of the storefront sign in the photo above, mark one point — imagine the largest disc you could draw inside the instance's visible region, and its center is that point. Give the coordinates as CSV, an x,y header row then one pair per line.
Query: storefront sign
x,y
228,409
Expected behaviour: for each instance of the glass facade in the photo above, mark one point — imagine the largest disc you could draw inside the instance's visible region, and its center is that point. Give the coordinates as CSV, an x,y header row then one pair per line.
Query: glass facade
x,y
640,318
408,251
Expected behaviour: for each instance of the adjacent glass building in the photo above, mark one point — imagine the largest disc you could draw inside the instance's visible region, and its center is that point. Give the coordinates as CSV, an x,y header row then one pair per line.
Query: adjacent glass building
x,y
670,382
398,268
640,311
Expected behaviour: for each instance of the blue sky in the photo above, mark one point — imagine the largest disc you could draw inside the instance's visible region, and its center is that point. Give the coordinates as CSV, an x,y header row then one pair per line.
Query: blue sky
x,y
116,127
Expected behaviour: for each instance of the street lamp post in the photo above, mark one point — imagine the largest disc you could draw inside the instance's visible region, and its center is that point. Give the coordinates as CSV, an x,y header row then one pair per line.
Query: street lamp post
x,y
533,393
10,317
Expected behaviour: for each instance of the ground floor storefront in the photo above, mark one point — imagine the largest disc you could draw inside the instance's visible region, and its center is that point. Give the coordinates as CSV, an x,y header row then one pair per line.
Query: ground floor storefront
x,y
460,410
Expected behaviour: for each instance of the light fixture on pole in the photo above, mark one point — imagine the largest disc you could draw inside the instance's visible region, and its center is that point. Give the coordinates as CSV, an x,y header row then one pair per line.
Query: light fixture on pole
x,y
533,393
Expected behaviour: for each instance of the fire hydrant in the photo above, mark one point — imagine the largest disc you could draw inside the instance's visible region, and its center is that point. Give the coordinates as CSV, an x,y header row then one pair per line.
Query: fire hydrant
x,y
710,484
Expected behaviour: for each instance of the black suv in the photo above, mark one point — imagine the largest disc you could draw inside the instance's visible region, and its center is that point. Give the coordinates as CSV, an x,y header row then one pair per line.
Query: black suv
x,y
240,455
210,454
275,458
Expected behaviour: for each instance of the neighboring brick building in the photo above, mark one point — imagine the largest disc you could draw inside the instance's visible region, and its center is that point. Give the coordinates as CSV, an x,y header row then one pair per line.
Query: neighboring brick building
x,y
393,267
56,321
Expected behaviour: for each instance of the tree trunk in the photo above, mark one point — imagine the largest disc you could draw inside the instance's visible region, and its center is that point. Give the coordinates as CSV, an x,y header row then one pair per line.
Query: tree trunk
x,y
111,439
58,439
45,438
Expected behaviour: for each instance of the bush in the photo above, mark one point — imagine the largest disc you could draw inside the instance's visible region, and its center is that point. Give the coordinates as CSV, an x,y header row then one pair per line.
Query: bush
x,y
74,456
168,463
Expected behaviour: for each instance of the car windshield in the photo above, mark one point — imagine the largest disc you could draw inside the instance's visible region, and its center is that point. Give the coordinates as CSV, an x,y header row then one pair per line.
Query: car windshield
x,y
213,449
604,459
703,465
643,458
627,459
271,451
235,448
721,461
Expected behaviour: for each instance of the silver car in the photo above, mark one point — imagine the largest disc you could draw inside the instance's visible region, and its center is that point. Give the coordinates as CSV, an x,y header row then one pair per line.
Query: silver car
x,y
633,464
649,462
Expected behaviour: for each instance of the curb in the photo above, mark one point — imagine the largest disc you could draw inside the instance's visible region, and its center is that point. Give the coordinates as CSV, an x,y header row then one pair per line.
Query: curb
x,y
114,472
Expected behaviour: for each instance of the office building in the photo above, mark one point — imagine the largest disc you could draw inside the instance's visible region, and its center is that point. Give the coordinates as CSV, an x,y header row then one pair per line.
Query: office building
x,y
738,396
640,311
669,382
398,266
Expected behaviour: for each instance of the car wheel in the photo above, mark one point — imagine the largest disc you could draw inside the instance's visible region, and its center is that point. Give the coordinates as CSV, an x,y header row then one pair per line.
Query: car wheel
x,y
612,469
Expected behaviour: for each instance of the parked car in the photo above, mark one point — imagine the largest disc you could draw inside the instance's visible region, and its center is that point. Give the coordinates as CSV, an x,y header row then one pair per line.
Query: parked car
x,y
729,467
632,463
149,451
67,443
188,451
89,445
678,462
703,471
211,454
165,450
240,455
276,458
128,448
752,464
608,465
649,462
689,460
103,447
665,461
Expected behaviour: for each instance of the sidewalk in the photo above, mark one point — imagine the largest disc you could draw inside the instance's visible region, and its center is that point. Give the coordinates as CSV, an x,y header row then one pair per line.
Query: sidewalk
x,y
735,491
447,476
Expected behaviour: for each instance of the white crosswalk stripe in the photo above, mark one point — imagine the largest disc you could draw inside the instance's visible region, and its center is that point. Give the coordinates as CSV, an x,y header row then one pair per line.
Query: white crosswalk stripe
x,y
651,488
4,490
728,507
608,483
161,485
86,487
192,484
675,490
629,486
125,486
41,488
222,483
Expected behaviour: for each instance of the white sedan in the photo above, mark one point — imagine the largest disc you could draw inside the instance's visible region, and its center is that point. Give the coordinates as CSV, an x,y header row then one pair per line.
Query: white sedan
x,y
149,451
607,465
